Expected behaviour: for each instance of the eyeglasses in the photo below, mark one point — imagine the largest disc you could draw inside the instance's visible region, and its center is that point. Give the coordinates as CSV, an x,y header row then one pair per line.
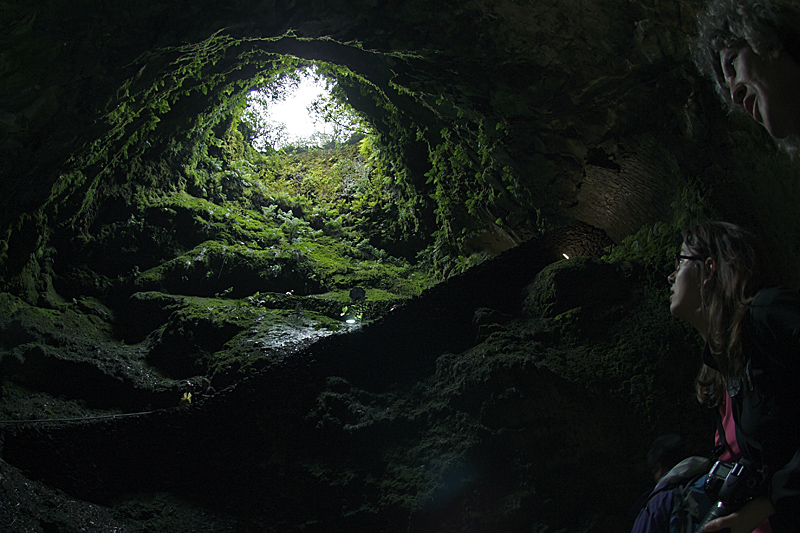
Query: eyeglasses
x,y
680,258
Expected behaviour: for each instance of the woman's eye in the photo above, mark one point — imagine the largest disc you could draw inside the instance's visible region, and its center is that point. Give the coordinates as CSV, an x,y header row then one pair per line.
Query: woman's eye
x,y
728,64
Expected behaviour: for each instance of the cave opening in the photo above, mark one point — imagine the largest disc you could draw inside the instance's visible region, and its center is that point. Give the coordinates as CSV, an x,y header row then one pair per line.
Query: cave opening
x,y
171,125
300,110
205,257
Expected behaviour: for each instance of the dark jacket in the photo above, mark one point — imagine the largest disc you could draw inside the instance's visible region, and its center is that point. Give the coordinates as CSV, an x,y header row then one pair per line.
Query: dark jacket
x,y
766,400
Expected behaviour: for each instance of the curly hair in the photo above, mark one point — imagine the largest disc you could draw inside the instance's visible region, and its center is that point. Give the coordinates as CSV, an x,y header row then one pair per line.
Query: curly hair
x,y
764,25
739,274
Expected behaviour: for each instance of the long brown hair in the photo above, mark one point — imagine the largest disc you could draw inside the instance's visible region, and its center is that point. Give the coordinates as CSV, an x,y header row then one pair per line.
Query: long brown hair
x,y
738,274
709,387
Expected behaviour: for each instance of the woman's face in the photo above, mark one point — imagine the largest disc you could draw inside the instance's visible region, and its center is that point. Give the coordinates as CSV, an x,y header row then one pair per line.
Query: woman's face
x,y
767,87
685,301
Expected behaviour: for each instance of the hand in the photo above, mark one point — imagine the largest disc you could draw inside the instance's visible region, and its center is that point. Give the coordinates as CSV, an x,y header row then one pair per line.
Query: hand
x,y
745,519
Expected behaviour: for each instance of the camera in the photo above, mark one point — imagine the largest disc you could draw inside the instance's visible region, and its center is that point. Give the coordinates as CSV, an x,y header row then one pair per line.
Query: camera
x,y
732,485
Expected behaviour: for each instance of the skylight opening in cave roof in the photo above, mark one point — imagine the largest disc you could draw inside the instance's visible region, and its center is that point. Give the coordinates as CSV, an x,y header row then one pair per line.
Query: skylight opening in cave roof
x,y
297,111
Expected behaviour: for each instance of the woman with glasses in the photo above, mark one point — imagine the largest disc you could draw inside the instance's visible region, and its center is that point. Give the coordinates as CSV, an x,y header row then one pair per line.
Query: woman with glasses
x,y
752,352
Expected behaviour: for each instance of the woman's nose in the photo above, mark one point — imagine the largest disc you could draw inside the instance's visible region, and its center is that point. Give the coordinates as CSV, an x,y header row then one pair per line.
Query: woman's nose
x,y
738,92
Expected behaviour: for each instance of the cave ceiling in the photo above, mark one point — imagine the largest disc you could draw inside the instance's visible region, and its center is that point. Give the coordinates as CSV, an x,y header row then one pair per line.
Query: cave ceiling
x,y
582,110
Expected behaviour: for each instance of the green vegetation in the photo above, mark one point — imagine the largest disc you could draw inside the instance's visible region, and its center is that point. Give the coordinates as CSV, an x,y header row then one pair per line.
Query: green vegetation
x,y
314,216
278,239
218,258
653,246
179,122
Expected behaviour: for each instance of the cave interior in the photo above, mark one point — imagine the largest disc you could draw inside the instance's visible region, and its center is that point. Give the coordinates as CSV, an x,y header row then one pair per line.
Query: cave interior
x,y
468,331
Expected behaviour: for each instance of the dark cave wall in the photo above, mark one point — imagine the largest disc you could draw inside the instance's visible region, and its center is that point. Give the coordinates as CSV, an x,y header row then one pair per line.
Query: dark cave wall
x,y
550,106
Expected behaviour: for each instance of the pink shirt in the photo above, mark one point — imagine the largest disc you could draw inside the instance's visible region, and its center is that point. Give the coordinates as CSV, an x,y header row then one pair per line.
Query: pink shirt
x,y
732,452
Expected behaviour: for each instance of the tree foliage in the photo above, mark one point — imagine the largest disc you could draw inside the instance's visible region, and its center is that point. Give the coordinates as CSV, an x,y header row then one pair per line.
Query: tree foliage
x,y
335,120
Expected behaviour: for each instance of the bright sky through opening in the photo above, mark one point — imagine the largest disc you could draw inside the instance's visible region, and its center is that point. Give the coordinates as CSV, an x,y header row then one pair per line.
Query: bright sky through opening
x,y
294,110
279,116
289,121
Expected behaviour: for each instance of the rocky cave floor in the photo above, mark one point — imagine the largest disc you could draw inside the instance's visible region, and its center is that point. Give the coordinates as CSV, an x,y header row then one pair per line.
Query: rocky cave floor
x,y
27,505
510,382
76,386
31,506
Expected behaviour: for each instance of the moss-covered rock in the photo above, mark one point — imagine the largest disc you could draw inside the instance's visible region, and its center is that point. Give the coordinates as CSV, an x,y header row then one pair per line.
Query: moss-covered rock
x,y
578,282
72,353
606,326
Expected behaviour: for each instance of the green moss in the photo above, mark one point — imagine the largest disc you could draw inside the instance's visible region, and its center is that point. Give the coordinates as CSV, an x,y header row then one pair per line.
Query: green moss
x,y
651,245
10,304
215,312
78,345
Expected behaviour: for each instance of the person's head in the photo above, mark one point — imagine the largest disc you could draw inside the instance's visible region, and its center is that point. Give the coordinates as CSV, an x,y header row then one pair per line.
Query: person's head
x,y
666,451
751,50
718,271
